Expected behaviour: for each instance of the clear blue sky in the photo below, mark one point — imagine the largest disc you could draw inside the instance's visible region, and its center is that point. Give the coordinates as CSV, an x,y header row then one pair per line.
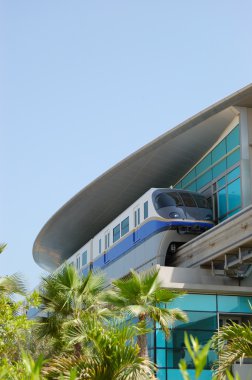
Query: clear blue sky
x,y
85,83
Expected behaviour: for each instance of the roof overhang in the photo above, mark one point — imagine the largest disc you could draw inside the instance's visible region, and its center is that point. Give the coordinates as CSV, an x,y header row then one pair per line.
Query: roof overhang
x,y
160,163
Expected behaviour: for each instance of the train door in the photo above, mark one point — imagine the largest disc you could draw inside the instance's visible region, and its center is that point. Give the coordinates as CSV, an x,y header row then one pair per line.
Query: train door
x,y
136,215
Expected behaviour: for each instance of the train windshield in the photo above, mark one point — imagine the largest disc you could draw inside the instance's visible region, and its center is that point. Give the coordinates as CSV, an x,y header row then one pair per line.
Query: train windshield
x,y
180,199
166,200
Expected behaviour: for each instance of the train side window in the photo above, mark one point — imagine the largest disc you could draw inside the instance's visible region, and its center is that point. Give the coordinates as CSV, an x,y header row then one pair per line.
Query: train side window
x,y
116,233
107,240
78,262
125,226
100,245
84,258
136,216
146,211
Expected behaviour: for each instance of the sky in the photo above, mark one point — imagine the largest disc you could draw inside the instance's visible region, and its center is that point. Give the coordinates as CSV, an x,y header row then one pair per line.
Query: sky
x,y
83,84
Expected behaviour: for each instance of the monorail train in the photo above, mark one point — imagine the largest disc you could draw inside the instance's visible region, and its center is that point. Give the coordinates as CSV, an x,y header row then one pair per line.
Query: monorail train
x,y
146,233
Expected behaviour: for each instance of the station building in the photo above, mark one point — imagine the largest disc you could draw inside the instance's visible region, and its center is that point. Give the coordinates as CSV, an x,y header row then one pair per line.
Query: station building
x,y
210,153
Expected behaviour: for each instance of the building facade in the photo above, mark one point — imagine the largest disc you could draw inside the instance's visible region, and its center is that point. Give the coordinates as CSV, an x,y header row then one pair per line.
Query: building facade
x,y
211,153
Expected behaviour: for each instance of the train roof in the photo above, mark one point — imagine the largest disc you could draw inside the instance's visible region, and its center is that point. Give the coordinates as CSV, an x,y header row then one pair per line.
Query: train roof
x,y
160,163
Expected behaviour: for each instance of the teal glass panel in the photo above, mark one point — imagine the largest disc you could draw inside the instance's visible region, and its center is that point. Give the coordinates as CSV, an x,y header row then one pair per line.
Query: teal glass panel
x,y
221,182
219,151
234,212
203,302
151,355
199,320
233,174
191,187
233,139
204,179
234,304
160,339
222,202
178,186
204,164
219,169
233,158
234,194
161,374
161,357
189,177
170,358
150,339
175,374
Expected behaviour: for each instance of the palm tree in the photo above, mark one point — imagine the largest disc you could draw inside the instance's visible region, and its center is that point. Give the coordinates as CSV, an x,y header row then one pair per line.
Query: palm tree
x,y
2,247
66,297
140,295
112,355
232,342
12,284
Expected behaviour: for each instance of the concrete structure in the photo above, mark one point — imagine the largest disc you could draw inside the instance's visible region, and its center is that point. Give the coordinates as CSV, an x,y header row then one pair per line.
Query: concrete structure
x,y
210,153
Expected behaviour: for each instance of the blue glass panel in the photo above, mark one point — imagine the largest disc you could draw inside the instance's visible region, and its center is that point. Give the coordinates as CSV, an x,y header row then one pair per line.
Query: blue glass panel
x,y
203,302
175,374
234,194
161,374
221,182
161,358
204,179
233,139
233,158
222,202
191,187
234,304
219,151
178,186
204,164
233,174
189,177
160,338
219,168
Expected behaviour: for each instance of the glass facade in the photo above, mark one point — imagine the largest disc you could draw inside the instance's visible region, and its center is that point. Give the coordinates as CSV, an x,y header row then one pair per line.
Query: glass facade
x,y
202,324
217,176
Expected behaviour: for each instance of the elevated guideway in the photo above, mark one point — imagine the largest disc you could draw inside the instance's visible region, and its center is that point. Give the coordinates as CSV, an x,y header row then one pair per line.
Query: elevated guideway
x,y
226,249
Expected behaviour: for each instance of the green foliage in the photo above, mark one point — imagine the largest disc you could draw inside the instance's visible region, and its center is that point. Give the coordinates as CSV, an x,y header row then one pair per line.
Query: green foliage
x,y
232,342
198,355
2,247
14,326
140,295
112,355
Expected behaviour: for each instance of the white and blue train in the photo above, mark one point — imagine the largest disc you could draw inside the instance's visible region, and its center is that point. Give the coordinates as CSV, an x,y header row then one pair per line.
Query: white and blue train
x,y
146,233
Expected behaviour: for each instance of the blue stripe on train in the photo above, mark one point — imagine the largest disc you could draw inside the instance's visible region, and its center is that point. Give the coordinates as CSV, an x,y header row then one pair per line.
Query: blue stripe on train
x,y
137,237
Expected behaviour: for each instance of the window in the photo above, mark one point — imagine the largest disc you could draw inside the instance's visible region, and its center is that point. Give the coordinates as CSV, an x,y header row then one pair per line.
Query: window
x,y
146,211
136,217
188,200
125,226
107,240
168,199
100,245
78,262
116,233
84,258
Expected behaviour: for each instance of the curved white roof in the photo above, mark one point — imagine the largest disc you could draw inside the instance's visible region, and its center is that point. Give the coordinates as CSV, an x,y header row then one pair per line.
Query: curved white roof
x,y
160,163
